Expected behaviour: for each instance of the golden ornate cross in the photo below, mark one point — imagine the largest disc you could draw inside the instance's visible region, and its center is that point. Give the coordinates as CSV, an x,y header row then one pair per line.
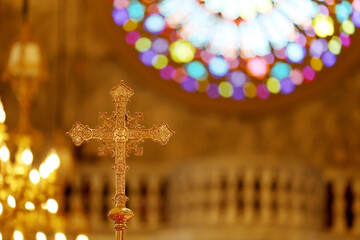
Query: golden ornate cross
x,y
120,135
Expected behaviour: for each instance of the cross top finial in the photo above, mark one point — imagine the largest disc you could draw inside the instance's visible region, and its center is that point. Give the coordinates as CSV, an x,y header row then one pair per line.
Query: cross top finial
x,y
121,92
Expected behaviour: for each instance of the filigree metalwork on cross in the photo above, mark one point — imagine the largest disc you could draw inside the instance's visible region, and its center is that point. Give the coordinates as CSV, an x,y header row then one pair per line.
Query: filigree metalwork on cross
x,y
120,135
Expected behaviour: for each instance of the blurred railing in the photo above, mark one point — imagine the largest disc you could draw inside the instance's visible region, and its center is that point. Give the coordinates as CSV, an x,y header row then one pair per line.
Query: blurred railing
x,y
277,201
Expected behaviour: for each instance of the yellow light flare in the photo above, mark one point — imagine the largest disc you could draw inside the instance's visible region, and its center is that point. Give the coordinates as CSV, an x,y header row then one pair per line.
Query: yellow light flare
x,y
323,26
40,236
29,206
60,236
82,237
18,235
27,156
2,113
4,153
11,201
52,205
34,176
53,161
182,51
45,170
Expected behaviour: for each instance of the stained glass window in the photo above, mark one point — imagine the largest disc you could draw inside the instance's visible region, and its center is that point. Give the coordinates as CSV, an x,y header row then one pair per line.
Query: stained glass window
x,y
238,48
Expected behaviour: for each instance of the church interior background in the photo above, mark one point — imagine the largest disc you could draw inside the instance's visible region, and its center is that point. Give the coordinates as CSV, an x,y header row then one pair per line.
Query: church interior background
x,y
250,165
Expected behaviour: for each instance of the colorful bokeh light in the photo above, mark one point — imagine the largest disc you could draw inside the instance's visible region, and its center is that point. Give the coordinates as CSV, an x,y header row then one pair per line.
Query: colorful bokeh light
x,y
238,49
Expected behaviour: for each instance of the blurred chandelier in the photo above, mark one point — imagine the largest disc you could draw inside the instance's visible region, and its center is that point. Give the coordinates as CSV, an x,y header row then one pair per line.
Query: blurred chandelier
x,y
238,48
27,195
27,204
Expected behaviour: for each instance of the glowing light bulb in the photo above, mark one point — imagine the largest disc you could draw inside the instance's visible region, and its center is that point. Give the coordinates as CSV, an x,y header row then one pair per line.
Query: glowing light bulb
x,y
1,210
60,236
2,113
34,176
40,236
27,156
52,205
11,201
4,153
82,237
44,170
18,235
29,206
53,161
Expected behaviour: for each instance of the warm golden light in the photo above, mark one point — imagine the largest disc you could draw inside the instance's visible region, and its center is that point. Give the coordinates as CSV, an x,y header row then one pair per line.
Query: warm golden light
x,y
27,156
11,201
29,206
40,236
82,237
2,113
34,176
52,205
18,235
1,210
0,236
60,236
44,170
4,153
52,161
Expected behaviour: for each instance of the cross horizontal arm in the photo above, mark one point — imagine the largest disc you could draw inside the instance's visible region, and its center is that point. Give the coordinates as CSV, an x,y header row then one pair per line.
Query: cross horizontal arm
x,y
80,133
160,133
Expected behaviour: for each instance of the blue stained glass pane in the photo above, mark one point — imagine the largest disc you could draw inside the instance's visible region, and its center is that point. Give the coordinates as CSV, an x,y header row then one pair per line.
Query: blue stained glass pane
x,y
136,11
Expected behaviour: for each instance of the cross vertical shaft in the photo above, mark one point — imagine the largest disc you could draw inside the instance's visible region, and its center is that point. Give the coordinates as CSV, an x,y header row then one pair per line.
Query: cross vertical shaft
x,y
120,135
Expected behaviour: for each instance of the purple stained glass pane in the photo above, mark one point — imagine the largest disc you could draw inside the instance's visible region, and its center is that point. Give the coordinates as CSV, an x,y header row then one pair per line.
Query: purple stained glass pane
x,y
301,40
309,73
317,48
237,78
160,45
345,39
167,72
212,91
355,17
147,57
287,86
262,91
324,10
120,16
238,93
328,59
270,58
190,84
132,37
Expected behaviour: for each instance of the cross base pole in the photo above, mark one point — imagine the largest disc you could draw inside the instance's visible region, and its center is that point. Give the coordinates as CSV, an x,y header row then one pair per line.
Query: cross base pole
x,y
120,216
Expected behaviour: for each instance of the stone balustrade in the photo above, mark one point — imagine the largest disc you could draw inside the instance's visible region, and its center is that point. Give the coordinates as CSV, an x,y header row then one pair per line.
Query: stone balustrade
x,y
249,198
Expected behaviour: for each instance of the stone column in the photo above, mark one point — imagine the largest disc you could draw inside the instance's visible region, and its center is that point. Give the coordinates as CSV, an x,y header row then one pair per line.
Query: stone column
x,y
183,201
135,201
231,196
356,190
153,216
96,191
296,199
282,199
175,210
339,205
199,196
110,202
249,195
265,196
215,197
